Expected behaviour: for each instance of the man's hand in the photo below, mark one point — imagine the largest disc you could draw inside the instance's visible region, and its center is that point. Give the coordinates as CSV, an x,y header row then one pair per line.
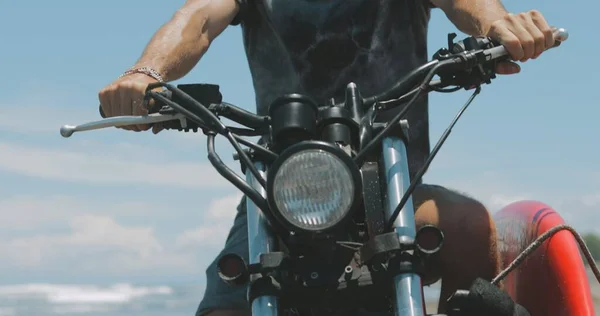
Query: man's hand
x,y
174,50
125,96
525,35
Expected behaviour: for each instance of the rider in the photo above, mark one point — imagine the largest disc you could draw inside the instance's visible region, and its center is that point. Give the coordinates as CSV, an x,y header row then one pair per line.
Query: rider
x,y
316,48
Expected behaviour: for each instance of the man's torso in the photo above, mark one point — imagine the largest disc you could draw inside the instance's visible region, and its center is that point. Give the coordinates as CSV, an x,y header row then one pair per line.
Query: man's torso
x,y
316,47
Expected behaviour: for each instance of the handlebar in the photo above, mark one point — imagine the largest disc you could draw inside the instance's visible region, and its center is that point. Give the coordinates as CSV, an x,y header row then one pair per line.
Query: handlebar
x,y
560,35
209,95
466,64
465,55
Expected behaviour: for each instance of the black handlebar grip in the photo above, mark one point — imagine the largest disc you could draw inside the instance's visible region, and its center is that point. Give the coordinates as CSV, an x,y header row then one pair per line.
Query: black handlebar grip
x,y
166,94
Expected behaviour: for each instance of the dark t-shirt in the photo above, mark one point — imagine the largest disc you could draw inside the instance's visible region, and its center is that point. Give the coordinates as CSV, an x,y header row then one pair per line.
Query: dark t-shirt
x,y
316,47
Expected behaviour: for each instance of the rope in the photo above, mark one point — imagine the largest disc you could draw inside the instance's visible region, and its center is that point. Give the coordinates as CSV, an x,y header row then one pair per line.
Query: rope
x,y
538,242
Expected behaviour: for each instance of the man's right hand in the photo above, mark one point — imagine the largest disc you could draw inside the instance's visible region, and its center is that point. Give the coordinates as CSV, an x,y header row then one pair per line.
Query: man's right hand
x,y
125,96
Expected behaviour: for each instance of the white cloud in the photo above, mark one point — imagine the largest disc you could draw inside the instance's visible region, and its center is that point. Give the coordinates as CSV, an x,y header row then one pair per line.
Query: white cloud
x,y
25,213
95,242
89,234
45,110
83,294
498,189
105,167
591,200
224,208
217,223
25,117
498,201
582,213
493,189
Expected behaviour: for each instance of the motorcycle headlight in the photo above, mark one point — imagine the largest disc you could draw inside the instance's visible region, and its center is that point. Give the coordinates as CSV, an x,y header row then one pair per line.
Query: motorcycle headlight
x,y
313,186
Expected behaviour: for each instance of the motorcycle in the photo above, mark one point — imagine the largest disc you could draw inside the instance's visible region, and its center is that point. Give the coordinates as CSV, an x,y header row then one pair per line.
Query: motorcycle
x,y
331,225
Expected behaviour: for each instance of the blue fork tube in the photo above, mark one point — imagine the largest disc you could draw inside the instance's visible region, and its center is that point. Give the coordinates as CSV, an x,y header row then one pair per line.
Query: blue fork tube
x,y
408,286
260,241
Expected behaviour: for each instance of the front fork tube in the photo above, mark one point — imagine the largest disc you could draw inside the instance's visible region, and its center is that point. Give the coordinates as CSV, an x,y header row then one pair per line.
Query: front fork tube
x,y
260,241
408,287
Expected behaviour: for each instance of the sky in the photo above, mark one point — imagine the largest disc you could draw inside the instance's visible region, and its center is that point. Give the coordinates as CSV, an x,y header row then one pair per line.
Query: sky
x,y
112,205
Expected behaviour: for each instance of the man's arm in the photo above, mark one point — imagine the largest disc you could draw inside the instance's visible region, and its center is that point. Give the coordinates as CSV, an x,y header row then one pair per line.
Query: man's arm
x,y
180,43
172,52
525,35
473,17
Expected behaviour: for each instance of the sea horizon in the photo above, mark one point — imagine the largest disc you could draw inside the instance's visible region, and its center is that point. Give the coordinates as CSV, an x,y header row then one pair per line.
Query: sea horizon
x,y
177,297
123,298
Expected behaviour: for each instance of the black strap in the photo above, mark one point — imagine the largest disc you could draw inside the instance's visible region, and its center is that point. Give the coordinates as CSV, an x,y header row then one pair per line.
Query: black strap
x,y
484,298
242,13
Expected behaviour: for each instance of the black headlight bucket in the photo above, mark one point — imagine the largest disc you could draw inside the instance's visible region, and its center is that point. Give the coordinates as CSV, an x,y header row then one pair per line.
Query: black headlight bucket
x,y
323,148
293,119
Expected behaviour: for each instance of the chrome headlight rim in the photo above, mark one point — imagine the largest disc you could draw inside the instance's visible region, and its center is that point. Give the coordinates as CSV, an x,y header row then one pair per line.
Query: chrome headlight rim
x,y
309,146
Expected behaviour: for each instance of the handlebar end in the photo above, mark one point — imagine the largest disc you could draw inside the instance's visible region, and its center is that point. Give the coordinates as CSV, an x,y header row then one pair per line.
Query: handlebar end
x,y
66,131
561,34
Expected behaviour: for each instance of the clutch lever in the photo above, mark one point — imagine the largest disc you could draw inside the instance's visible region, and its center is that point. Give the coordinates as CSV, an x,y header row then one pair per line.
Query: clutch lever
x,y
117,121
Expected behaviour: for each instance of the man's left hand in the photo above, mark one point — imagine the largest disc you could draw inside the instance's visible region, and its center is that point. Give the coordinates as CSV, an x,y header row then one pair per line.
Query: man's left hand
x,y
525,35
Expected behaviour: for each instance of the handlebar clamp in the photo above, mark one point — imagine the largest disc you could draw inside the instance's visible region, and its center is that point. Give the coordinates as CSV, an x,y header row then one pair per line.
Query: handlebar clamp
x,y
472,67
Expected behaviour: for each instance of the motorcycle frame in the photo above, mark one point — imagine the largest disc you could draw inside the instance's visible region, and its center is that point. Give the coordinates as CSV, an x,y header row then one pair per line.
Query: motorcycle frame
x,y
408,290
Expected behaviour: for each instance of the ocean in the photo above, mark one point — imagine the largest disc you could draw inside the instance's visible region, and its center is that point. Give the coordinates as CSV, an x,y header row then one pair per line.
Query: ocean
x,y
39,299
176,299
93,300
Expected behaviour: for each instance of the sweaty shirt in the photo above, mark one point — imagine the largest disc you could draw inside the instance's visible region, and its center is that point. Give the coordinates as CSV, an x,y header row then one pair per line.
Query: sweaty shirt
x,y
317,47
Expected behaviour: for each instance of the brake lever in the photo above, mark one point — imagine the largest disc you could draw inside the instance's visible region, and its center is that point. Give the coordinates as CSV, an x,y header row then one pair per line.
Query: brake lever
x,y
476,59
117,121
